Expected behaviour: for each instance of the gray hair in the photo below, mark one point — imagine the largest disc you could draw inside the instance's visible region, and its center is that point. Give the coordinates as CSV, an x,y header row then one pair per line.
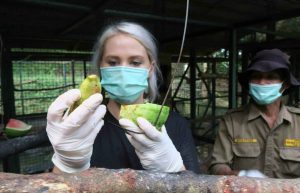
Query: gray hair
x,y
139,33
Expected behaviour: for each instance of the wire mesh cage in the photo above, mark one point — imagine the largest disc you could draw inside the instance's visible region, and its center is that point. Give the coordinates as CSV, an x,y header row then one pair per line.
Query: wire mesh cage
x,y
209,87
39,76
38,83
200,93
36,160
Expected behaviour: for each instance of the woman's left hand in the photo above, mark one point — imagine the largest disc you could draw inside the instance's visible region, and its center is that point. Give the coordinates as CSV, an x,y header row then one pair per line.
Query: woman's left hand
x,y
155,149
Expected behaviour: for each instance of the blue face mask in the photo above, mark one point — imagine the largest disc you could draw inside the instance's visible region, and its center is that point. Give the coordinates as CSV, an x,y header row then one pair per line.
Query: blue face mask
x,y
265,94
124,84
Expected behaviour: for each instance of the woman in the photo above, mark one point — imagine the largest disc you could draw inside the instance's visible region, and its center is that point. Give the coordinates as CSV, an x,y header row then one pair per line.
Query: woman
x,y
126,55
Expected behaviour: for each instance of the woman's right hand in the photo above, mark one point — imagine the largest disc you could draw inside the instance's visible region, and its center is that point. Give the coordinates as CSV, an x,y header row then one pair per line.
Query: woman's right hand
x,y
72,136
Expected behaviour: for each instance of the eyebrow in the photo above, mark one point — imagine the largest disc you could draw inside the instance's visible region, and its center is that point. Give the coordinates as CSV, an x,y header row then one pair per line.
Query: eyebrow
x,y
116,56
136,56
266,75
110,56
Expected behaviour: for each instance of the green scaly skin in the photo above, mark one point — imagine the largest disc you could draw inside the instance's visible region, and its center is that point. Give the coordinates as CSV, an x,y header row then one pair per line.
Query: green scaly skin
x,y
148,111
89,86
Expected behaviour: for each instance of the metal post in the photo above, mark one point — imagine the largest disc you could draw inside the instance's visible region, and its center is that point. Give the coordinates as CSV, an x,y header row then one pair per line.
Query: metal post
x,y
7,84
73,73
10,164
271,27
84,69
64,73
193,64
233,70
245,56
213,94
294,97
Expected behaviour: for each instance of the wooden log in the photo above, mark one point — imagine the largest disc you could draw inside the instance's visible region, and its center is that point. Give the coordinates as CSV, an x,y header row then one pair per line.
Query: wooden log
x,y
127,180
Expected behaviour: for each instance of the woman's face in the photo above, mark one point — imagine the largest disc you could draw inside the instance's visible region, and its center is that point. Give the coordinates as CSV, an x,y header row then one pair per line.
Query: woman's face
x,y
122,50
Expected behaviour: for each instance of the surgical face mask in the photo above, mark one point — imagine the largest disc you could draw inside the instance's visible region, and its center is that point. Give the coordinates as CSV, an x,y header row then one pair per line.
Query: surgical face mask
x,y
124,84
265,94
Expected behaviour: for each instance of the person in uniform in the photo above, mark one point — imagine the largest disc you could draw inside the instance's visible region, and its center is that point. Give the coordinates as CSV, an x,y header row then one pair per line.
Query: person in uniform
x,y
264,135
93,135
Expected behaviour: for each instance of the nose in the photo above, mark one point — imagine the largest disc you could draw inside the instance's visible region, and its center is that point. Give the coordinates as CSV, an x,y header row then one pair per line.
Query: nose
x,y
262,81
123,63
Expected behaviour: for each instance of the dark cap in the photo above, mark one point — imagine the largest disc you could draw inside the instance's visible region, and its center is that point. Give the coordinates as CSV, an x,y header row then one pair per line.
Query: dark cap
x,y
267,61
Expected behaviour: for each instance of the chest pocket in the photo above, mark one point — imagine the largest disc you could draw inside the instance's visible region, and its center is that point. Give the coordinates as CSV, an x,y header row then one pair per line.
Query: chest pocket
x,y
246,156
290,154
290,162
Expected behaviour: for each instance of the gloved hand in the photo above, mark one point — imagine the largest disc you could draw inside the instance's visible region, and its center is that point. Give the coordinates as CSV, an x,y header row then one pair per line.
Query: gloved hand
x,y
72,136
252,173
155,149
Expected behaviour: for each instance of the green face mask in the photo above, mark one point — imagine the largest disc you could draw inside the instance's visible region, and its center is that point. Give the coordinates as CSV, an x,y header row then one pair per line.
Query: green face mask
x,y
124,84
265,94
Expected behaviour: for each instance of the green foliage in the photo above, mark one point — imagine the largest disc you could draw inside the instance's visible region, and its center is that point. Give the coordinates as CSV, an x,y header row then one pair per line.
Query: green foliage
x,y
289,25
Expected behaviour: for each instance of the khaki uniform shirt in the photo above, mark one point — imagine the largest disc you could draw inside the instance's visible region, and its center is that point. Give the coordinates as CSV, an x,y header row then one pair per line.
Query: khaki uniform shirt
x,y
245,141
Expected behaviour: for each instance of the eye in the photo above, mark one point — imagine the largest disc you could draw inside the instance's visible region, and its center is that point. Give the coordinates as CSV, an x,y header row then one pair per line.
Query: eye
x,y
112,62
136,62
273,77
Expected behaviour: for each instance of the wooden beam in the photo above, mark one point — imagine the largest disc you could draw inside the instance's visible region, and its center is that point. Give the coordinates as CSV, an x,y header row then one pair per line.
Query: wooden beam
x,y
152,17
87,17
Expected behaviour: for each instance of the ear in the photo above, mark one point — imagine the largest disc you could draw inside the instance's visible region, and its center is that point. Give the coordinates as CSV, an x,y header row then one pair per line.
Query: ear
x,y
285,86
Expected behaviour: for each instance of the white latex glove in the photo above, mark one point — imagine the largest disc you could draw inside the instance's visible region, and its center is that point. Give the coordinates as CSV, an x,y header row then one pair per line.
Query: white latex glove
x,y
72,136
155,149
252,173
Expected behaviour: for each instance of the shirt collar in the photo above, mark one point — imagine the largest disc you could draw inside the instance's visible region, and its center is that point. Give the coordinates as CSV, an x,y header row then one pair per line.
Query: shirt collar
x,y
254,112
285,114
